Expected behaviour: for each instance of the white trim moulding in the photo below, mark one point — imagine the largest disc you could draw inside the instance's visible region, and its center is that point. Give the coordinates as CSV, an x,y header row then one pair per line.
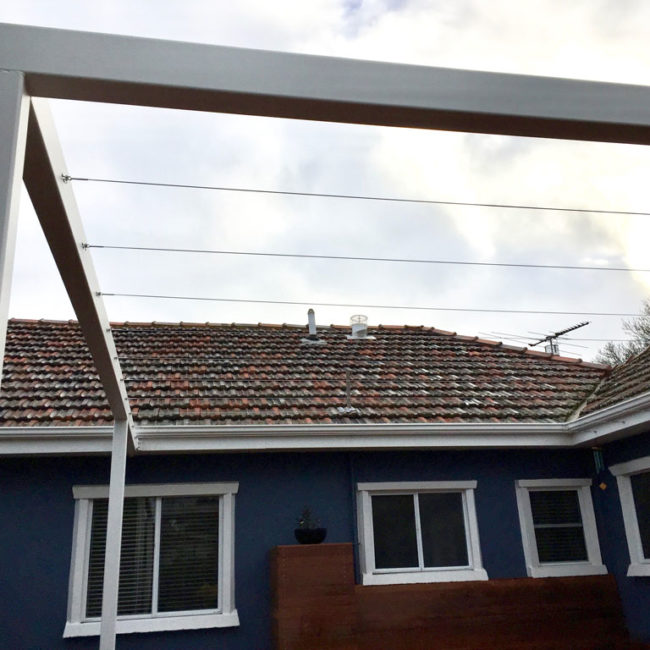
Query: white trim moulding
x,y
593,565
159,624
639,563
157,490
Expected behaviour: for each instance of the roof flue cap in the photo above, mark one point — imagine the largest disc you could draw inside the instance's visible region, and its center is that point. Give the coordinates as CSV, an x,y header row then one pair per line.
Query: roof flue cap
x,y
311,324
312,335
359,324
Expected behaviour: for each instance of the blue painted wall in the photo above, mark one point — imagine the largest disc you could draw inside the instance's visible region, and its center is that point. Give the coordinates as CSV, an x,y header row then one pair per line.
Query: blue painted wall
x,y
635,592
36,515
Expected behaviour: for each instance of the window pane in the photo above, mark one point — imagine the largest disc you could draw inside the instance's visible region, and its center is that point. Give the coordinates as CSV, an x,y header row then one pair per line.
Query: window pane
x,y
136,561
641,492
558,526
561,544
189,554
393,522
555,507
444,542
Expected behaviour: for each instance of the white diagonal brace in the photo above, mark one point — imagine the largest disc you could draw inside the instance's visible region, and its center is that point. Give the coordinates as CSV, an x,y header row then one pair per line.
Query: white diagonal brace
x,y
14,106
57,211
123,69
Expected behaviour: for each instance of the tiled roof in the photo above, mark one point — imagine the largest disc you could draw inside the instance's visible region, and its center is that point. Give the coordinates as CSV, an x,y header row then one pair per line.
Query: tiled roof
x,y
224,374
625,381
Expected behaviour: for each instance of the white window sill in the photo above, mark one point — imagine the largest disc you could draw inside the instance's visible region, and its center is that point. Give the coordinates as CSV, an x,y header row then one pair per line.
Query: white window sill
x,y
158,624
638,570
418,577
566,570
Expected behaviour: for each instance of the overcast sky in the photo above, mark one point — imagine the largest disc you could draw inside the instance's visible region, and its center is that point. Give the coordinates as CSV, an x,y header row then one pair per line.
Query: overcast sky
x,y
584,39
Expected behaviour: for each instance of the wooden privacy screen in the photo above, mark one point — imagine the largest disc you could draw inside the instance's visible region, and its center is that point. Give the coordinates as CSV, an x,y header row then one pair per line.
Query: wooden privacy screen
x,y
317,606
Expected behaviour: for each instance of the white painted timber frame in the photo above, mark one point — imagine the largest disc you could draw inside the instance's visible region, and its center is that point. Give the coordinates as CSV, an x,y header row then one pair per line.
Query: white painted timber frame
x,y
147,72
639,563
39,62
57,211
370,575
224,616
14,107
535,569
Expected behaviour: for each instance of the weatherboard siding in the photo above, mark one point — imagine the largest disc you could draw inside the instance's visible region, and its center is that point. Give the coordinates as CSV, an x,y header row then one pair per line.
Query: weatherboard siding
x,y
36,510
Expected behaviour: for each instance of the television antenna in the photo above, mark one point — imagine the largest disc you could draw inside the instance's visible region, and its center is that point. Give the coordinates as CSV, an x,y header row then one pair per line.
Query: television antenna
x,y
553,346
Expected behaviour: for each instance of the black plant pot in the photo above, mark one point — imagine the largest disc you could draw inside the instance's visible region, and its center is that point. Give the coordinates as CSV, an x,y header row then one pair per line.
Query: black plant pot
x,y
310,535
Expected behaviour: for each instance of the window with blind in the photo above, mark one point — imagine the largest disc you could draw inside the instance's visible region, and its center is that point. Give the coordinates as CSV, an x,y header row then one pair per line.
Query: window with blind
x,y
633,479
559,535
418,532
176,567
558,527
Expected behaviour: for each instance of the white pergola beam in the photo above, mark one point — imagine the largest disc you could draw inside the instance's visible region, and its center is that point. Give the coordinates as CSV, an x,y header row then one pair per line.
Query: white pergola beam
x,y
57,211
14,106
148,72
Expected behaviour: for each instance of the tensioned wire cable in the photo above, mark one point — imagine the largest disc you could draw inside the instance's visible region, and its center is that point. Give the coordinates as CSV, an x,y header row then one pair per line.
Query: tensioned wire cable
x,y
356,197
358,305
366,259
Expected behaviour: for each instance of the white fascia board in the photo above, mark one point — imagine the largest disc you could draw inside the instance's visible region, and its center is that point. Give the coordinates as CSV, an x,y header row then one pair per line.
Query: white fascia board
x,y
148,72
29,441
621,420
57,211
19,440
349,437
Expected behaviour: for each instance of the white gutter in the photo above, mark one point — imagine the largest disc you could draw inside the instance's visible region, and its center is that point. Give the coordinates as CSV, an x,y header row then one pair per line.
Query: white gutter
x,y
611,423
86,440
621,420
349,436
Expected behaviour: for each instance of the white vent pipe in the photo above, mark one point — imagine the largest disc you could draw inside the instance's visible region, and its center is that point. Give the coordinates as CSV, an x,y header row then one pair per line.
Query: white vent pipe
x,y
311,320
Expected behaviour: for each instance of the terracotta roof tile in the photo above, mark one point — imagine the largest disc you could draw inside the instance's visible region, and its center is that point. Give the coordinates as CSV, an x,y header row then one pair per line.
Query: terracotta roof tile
x,y
624,382
218,374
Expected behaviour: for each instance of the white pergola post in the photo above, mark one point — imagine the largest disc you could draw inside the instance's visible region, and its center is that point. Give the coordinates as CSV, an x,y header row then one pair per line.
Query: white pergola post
x,y
113,535
14,106
54,201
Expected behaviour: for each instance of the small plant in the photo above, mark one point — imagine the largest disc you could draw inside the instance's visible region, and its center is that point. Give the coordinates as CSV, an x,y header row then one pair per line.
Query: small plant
x,y
307,520
308,529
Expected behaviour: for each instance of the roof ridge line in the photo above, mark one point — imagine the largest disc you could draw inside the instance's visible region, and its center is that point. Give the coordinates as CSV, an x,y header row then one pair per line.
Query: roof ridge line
x,y
279,326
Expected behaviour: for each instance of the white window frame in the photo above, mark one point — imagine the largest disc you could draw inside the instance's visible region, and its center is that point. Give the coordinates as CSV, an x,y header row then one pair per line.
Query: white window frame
x,y
224,616
536,569
639,565
370,575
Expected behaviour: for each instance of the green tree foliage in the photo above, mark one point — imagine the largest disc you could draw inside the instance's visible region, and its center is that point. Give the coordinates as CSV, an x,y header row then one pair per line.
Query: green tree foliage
x,y
639,330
